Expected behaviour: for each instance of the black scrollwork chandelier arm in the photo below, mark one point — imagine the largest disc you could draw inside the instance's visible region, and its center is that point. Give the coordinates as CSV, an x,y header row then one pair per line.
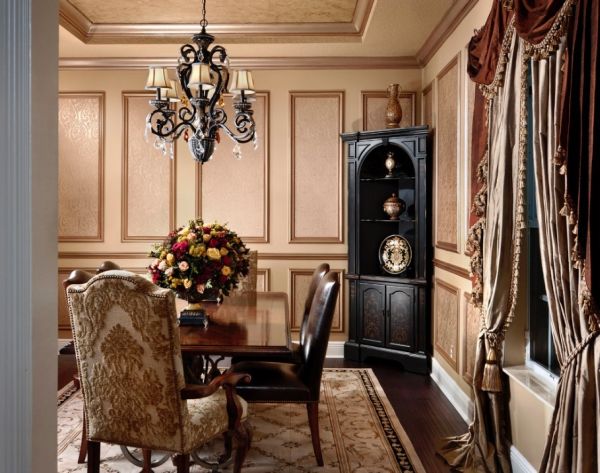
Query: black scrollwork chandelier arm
x,y
201,114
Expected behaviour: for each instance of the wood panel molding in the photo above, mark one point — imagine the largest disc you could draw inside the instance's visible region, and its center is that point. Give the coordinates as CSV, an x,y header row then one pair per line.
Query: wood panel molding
x,y
452,268
450,172
265,273
408,117
453,332
125,235
103,255
337,325
427,112
254,63
264,138
99,236
444,29
339,236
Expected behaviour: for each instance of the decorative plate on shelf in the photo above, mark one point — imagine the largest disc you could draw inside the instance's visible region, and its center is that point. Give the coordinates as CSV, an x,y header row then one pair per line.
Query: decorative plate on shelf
x,y
395,254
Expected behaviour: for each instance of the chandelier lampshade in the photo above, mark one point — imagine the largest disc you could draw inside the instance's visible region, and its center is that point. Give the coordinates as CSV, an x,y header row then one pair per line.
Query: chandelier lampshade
x,y
203,77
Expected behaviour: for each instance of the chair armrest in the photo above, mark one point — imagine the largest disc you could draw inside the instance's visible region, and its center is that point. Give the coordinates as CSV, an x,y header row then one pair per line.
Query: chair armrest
x,y
227,380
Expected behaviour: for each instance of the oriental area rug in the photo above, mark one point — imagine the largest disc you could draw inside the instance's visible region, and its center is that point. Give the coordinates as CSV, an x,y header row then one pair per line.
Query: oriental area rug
x,y
359,433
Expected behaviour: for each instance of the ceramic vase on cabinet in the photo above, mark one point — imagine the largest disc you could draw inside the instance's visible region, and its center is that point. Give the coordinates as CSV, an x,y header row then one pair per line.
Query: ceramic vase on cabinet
x,y
393,111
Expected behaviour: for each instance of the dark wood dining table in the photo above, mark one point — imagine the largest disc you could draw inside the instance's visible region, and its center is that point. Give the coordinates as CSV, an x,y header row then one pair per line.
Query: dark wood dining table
x,y
250,324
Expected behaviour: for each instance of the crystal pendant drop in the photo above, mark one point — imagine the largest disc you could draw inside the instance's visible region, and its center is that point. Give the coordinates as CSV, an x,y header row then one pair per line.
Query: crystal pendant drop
x,y
237,151
255,141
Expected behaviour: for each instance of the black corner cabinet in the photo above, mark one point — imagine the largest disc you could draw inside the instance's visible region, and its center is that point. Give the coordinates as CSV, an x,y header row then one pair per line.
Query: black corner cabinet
x,y
389,312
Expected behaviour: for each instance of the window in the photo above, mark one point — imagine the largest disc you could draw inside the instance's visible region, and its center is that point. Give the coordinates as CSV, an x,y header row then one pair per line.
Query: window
x,y
541,346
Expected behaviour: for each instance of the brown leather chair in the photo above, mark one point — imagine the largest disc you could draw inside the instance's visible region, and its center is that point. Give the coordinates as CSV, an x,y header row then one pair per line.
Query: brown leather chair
x,y
294,356
298,382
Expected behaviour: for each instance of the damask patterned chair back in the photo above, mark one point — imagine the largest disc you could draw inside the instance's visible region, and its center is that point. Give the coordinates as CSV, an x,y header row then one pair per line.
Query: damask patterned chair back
x,y
128,355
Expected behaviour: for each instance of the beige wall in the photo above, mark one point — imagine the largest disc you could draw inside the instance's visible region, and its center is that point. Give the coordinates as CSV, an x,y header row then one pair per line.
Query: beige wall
x,y
286,262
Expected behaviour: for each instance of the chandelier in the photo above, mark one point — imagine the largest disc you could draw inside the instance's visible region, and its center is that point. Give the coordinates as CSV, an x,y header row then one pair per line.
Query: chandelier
x,y
203,79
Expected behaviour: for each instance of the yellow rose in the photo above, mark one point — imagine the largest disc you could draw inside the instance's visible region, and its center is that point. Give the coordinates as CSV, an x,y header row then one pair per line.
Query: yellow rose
x,y
184,231
206,237
200,250
187,283
170,259
225,270
175,282
213,254
224,251
163,254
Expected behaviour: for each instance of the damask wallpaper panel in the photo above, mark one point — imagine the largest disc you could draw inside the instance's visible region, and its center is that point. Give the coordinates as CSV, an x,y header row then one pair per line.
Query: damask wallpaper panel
x,y
317,173
447,139
148,177
299,284
81,166
374,103
446,319
237,190
472,322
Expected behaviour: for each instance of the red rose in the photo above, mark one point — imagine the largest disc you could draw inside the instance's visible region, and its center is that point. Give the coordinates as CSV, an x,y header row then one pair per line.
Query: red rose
x,y
155,277
213,242
223,279
206,229
180,249
226,260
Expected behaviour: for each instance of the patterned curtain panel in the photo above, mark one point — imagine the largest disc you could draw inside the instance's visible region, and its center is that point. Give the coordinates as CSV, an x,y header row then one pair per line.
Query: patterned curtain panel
x,y
519,34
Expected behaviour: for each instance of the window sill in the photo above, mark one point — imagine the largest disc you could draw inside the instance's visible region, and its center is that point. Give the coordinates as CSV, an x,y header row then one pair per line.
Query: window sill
x,y
541,386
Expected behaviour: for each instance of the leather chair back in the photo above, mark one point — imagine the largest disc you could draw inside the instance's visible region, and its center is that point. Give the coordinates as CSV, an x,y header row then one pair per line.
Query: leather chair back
x,y
317,275
318,327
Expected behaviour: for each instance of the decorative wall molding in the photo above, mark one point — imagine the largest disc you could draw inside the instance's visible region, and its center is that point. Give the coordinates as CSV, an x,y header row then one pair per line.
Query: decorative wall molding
x,y
149,152
265,273
116,255
444,29
446,341
446,169
316,181
459,399
408,114
76,22
245,180
427,113
459,271
254,63
298,299
73,191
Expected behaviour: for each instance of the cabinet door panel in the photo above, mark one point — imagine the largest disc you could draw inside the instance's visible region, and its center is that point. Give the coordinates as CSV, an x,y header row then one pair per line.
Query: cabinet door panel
x,y
372,303
401,317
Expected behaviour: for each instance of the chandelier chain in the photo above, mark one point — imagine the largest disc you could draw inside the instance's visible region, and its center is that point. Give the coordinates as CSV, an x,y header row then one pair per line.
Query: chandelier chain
x,y
203,22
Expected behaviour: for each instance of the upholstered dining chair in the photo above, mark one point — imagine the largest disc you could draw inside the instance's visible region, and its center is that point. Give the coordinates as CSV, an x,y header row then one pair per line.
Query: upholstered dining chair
x,y
79,276
129,361
294,356
298,382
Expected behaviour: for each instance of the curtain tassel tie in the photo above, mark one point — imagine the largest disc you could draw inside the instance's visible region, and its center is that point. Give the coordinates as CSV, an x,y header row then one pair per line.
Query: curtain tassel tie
x,y
491,381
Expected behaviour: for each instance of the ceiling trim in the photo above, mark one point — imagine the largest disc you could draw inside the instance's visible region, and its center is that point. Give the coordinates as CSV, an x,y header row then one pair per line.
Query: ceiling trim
x,y
254,63
106,33
444,29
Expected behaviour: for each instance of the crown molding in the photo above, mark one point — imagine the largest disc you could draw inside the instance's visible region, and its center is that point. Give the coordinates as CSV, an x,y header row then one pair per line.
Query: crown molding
x,y
86,31
444,29
254,63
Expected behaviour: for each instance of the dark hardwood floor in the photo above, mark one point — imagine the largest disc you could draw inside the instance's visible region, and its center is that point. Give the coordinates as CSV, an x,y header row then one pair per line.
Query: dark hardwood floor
x,y
425,413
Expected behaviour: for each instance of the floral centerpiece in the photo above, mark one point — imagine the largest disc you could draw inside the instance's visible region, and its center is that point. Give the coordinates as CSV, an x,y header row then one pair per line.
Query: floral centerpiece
x,y
199,261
